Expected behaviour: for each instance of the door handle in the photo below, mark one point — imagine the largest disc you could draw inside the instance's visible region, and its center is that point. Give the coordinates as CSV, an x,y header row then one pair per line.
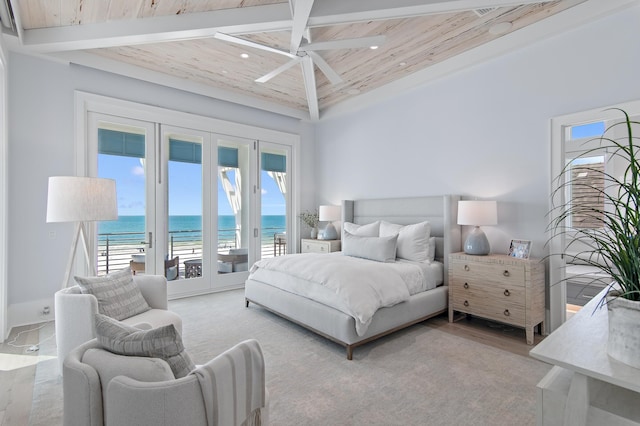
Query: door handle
x,y
150,242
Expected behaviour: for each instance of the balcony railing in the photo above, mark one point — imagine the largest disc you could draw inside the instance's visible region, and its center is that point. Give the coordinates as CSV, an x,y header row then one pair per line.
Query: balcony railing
x,y
115,250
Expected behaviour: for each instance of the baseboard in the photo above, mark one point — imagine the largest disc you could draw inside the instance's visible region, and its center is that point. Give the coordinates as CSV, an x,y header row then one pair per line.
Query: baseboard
x,y
27,313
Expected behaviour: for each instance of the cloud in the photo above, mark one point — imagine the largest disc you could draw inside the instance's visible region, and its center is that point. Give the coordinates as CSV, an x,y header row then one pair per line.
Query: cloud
x,y
138,171
264,191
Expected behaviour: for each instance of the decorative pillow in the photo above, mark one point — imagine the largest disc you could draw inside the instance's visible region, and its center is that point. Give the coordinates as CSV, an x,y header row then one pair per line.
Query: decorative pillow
x,y
369,230
162,342
413,240
381,249
431,254
118,295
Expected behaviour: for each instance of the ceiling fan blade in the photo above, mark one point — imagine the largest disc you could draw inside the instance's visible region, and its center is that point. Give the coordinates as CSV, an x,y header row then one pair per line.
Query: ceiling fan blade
x,y
348,43
278,70
243,42
333,76
301,12
310,87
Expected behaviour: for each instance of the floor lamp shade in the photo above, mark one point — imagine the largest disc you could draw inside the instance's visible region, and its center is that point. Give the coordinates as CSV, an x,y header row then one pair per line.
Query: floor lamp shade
x,y
329,214
80,199
476,214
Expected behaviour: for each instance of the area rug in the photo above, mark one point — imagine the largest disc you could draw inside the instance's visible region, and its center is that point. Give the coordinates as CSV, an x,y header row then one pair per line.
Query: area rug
x,y
418,376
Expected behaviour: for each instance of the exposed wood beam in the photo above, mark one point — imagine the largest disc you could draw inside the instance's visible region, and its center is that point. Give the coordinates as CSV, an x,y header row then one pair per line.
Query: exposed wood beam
x,y
301,12
309,76
159,29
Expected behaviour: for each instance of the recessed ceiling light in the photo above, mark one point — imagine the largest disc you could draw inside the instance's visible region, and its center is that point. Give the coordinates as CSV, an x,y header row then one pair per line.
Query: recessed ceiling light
x,y
353,91
373,47
224,71
244,56
403,64
500,28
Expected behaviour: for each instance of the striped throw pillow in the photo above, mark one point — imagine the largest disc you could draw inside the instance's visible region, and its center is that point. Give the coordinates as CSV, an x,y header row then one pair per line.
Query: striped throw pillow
x,y
118,295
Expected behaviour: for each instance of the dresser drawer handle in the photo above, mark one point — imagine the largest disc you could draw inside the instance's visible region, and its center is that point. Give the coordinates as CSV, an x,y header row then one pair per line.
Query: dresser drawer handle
x,y
507,293
466,303
466,285
506,273
466,267
506,313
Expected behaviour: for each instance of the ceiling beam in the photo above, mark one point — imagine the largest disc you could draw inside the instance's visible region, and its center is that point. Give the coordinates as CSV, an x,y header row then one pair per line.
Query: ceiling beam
x,y
236,21
309,75
301,12
159,29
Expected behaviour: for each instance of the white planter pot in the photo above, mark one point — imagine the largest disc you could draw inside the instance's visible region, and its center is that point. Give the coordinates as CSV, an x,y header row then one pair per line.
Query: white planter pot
x,y
624,330
314,233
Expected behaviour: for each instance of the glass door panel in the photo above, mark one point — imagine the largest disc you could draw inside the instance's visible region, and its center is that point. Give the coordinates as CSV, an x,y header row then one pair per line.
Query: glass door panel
x,y
274,200
122,152
235,228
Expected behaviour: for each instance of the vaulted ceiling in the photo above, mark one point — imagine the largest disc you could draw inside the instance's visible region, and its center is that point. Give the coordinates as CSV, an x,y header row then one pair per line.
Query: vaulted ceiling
x,y
304,50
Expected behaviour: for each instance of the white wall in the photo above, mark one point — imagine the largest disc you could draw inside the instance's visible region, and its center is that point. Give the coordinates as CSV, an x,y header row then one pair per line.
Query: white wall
x,y
483,132
41,138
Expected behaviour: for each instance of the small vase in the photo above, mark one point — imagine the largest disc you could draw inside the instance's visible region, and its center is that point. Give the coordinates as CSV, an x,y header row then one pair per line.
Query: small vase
x,y
624,334
314,233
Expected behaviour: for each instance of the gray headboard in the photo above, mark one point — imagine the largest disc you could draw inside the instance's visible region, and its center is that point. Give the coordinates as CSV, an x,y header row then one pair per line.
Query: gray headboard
x,y
441,211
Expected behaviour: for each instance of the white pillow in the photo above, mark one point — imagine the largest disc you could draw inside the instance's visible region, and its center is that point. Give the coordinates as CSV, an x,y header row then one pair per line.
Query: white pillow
x,y
413,240
380,249
369,230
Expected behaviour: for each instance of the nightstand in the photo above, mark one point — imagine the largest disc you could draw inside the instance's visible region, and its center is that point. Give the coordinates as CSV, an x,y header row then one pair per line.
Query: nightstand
x,y
498,287
319,246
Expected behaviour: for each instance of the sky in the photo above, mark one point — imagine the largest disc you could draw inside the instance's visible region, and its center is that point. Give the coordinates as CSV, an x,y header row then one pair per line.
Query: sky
x,y
185,188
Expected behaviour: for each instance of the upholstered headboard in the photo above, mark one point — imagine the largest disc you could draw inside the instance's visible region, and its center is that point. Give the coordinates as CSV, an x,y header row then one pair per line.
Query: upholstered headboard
x,y
441,211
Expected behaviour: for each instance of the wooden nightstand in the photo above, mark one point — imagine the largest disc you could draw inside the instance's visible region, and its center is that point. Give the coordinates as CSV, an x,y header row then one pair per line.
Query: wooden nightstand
x,y
319,246
498,287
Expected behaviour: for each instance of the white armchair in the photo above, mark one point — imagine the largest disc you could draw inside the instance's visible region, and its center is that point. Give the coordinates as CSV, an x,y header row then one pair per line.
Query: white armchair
x,y
75,312
101,388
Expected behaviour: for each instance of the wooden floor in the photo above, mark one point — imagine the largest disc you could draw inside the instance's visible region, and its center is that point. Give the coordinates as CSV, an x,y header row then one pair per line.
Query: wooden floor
x,y
18,364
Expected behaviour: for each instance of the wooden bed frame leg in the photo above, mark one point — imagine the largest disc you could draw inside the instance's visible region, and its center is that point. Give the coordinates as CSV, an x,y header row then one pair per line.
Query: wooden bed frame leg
x,y
246,303
349,352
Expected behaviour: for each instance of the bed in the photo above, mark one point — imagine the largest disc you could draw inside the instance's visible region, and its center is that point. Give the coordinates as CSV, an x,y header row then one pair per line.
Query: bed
x,y
332,322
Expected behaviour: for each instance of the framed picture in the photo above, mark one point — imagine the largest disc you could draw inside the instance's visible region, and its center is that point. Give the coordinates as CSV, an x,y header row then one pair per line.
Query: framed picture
x,y
520,249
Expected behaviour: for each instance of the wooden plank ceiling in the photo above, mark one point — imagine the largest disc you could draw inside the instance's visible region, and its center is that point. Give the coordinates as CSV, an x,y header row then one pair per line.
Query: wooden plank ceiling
x,y
413,43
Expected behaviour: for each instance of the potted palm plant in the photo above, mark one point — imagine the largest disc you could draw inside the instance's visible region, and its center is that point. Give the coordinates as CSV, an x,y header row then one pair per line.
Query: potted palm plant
x,y
311,219
614,246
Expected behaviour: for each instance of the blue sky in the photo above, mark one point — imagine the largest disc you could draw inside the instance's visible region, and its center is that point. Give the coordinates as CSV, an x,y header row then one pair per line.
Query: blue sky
x,y
185,188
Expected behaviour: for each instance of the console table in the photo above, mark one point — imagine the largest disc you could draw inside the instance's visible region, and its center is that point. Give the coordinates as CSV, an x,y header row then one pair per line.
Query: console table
x,y
585,386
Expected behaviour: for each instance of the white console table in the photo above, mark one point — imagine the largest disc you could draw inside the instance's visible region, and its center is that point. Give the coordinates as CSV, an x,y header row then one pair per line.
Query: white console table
x,y
586,386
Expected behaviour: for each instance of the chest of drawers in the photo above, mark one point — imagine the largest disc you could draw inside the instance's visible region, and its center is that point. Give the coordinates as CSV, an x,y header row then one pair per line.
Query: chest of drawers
x,y
499,288
319,246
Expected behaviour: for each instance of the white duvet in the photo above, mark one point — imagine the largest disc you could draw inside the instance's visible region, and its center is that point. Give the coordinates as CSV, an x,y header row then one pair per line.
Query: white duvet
x,y
357,287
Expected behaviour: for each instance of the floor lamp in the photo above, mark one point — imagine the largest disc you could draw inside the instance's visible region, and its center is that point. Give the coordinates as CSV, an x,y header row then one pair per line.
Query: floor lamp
x,y
80,199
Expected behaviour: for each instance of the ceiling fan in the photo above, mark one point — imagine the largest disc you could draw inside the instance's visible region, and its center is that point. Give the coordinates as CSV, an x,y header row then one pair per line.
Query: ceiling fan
x,y
306,54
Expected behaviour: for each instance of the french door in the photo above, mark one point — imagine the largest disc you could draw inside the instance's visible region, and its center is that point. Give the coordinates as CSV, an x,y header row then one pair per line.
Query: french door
x,y
196,206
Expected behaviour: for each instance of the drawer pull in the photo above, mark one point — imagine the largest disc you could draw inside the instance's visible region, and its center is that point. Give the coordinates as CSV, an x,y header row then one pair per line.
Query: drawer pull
x,y
506,273
466,267
466,285
506,313
507,293
466,303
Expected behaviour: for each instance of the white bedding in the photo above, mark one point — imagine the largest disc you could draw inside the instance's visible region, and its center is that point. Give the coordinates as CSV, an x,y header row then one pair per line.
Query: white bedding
x,y
355,286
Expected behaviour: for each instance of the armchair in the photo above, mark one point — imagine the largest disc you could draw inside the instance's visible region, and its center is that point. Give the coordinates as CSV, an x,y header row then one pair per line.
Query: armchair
x,y
104,388
75,312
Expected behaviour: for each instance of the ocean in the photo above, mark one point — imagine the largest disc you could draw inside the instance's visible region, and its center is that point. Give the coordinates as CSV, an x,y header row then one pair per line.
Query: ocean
x,y
186,228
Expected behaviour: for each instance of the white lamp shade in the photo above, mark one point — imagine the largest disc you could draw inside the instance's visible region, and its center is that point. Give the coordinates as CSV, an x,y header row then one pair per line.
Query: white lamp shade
x,y
329,213
477,213
81,199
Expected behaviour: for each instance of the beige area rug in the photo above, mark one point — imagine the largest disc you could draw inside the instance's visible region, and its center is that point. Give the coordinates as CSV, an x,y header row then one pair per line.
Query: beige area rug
x,y
418,376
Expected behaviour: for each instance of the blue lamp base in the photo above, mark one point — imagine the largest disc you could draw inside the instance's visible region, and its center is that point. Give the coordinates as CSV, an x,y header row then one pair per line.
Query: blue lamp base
x,y
329,232
477,243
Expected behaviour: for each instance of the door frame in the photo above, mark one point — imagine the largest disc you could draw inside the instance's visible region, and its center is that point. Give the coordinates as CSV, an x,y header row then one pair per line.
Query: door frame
x,y
88,102
559,125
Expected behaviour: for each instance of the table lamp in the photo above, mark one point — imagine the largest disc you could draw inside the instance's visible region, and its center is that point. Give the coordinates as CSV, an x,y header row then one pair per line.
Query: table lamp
x,y
80,199
329,214
476,214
